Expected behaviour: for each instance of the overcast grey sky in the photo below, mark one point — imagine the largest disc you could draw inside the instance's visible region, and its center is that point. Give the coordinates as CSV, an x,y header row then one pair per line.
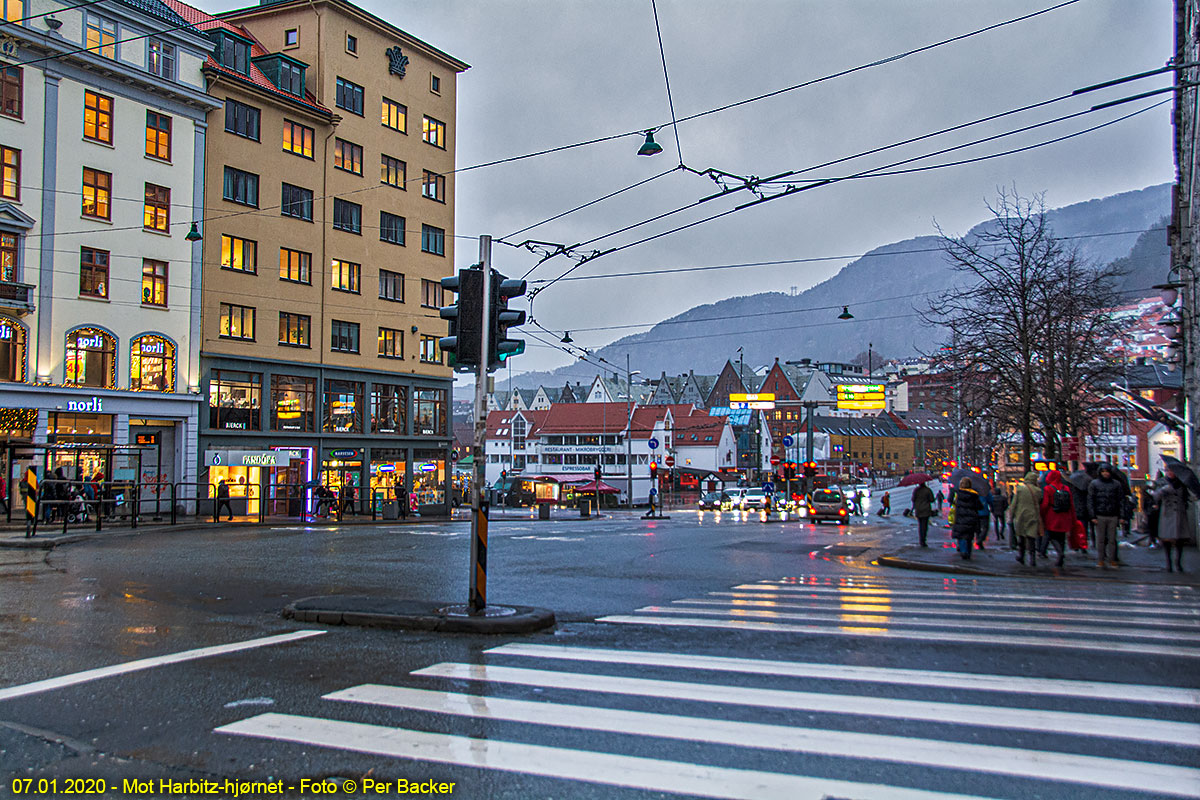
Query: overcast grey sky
x,y
551,72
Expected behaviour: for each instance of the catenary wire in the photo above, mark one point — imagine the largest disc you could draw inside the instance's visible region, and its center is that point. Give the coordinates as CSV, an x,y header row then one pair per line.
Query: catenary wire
x,y
667,79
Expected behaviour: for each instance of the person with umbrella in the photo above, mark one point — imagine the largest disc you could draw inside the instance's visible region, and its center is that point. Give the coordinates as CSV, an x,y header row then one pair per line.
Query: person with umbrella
x,y
1174,527
922,506
1104,497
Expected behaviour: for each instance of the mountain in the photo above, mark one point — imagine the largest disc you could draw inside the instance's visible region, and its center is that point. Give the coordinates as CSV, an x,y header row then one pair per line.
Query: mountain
x,y
883,290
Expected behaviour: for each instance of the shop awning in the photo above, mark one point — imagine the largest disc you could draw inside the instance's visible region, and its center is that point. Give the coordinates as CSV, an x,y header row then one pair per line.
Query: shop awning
x,y
556,478
590,486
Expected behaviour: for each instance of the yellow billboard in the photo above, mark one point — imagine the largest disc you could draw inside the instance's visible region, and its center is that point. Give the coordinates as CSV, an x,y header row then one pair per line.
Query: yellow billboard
x,y
861,397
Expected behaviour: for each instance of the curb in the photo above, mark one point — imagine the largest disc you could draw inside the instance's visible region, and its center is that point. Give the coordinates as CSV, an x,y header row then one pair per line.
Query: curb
x,y
920,566
903,563
374,612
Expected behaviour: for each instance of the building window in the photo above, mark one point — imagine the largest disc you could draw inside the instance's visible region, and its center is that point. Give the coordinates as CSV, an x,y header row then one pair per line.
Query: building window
x,y
391,286
158,135
242,120
298,138
297,202
12,352
1112,426
351,44
295,266
160,60
433,240
241,187
12,92
435,84
152,365
291,37
349,96
10,173
395,115
157,214
93,272
391,228
97,117
345,276
433,186
235,54
14,10
154,283
429,412
291,78
388,406
293,403
432,294
347,156
430,352
9,256
293,329
434,132
91,359
343,336
347,216
343,407
237,322
101,35
393,172
97,193
239,255
234,400
391,343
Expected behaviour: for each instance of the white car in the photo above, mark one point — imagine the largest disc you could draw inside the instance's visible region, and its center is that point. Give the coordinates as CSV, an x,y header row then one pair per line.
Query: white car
x,y
754,498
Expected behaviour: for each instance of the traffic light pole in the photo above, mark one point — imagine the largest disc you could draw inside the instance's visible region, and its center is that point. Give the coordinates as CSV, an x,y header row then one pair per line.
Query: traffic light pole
x,y
477,594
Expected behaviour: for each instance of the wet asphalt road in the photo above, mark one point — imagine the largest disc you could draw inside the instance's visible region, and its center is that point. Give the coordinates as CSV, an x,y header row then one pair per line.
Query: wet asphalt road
x,y
615,584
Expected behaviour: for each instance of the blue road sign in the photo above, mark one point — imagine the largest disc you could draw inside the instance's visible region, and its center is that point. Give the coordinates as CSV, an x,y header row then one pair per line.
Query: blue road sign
x,y
768,487
652,444
788,441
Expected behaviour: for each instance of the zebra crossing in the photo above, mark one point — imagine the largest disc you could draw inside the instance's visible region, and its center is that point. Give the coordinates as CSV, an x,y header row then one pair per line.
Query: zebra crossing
x,y
726,726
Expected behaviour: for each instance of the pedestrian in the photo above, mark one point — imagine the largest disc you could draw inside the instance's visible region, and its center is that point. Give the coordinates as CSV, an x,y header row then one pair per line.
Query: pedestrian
x,y
401,498
4,489
922,509
999,509
1104,496
1174,527
885,504
223,500
941,499
1058,515
1025,518
966,517
1150,515
1128,509
985,511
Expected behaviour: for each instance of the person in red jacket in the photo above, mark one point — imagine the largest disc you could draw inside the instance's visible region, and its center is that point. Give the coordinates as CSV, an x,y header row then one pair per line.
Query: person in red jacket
x,y
1058,514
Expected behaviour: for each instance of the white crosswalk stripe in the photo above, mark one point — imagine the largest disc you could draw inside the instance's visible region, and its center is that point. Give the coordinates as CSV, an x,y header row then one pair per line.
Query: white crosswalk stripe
x,y
743,727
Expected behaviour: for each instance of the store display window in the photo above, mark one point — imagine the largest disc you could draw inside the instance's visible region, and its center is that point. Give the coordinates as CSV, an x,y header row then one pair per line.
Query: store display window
x,y
429,412
12,351
343,407
235,400
388,467
388,408
293,403
429,476
152,364
91,358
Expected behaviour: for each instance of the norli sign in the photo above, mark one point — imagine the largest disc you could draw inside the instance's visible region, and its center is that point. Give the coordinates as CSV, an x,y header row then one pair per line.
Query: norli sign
x,y
861,397
762,401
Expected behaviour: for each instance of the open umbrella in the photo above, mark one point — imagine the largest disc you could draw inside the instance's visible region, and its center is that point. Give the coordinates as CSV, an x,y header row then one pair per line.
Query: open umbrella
x,y
916,478
1183,472
1080,479
979,483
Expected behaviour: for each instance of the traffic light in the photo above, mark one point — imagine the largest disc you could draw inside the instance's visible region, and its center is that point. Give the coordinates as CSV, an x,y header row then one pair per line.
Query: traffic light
x,y
501,318
810,469
654,473
596,473
465,317
503,475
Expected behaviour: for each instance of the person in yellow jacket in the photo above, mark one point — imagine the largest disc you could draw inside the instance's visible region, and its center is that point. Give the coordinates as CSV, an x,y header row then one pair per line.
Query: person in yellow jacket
x,y
1024,512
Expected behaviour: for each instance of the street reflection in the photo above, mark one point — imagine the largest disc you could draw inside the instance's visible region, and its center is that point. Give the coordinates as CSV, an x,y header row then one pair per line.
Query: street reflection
x,y
852,599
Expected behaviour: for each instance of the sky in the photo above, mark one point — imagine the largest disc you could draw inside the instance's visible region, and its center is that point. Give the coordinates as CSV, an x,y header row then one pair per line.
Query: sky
x,y
549,73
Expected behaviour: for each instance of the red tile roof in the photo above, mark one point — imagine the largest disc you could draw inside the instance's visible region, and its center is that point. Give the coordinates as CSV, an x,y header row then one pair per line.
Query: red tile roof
x,y
206,22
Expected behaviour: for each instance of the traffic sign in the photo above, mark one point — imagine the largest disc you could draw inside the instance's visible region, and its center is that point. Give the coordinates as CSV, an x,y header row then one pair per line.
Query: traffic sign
x,y
768,487
669,461
788,441
652,444
774,460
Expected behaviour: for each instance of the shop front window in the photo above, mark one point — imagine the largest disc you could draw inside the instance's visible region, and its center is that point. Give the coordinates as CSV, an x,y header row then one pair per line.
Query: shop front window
x,y
429,412
152,365
235,400
12,351
343,407
388,408
429,476
17,423
293,403
8,256
387,473
91,358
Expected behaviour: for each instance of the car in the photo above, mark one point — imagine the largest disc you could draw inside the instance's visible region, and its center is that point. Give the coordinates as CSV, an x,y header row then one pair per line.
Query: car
x,y
828,504
713,501
735,497
754,498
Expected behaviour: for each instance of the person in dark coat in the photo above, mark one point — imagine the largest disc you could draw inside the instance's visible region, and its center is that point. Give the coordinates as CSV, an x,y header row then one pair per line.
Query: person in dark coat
x,y
1104,496
922,508
885,505
966,517
1174,527
1058,514
999,509
941,498
223,500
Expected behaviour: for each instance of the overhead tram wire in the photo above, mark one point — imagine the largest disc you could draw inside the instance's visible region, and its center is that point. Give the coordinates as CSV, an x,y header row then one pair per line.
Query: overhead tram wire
x,y
667,80
829,181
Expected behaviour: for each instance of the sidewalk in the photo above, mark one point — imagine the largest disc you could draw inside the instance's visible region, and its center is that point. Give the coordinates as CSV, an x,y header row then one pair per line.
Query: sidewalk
x,y
1139,564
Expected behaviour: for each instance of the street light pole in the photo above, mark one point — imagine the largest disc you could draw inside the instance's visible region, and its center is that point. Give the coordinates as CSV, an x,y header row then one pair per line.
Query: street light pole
x,y
628,434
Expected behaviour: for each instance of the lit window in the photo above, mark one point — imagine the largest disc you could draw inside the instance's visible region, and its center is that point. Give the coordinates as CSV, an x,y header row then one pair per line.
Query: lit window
x,y
157,214
158,135
10,173
293,329
239,255
298,138
14,10
154,283
97,117
93,272
237,322
295,266
347,156
395,115
97,193
344,276
430,352
391,343
91,359
434,132
152,364
393,171
433,186
101,36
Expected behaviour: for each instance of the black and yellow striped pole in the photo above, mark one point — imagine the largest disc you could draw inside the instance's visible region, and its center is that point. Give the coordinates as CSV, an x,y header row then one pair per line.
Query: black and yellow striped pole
x,y
477,599
31,499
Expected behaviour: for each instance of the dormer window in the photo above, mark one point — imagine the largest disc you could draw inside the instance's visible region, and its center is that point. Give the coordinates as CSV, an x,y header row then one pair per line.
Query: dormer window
x,y
291,78
285,72
233,52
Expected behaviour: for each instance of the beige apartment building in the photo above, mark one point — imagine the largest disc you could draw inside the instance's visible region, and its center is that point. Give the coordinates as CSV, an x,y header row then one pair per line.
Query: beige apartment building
x,y
329,219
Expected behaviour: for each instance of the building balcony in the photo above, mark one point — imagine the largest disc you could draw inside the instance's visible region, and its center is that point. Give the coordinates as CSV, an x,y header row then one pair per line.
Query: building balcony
x,y
16,298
